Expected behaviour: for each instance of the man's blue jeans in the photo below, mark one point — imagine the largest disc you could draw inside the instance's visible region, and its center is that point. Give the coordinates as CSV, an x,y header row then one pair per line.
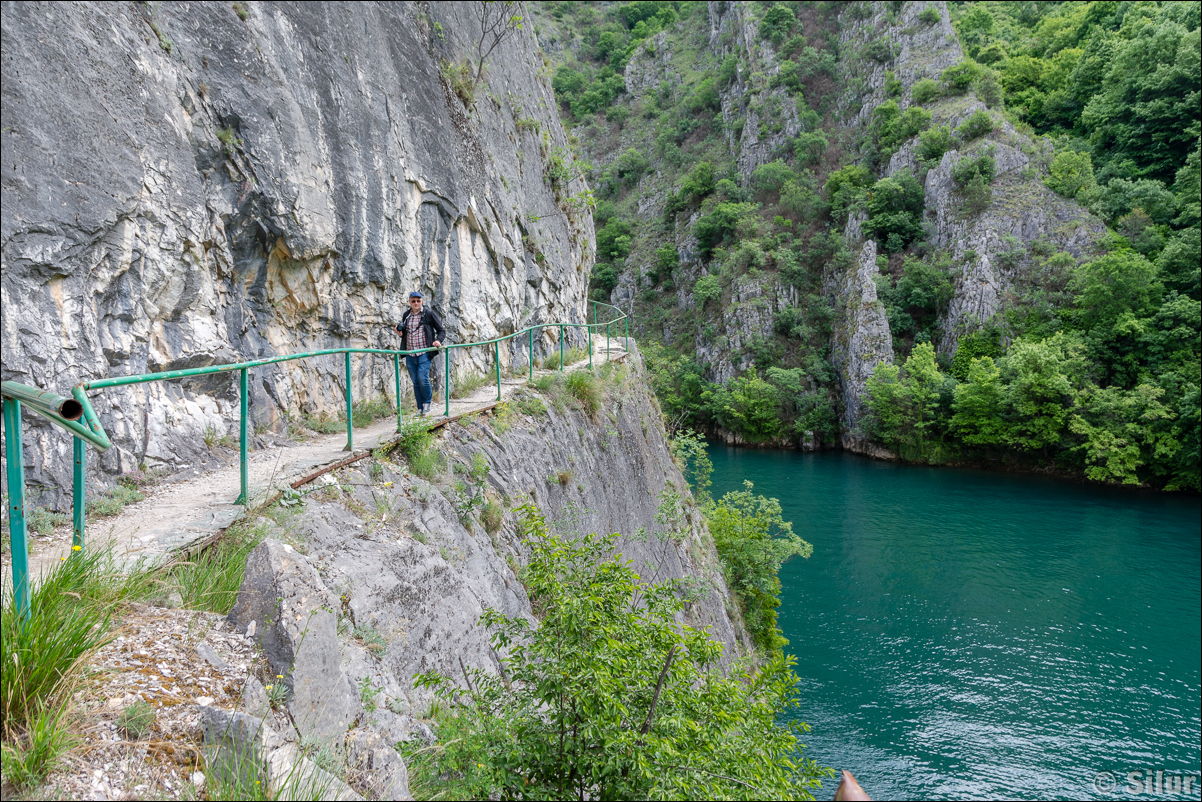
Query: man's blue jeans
x,y
419,374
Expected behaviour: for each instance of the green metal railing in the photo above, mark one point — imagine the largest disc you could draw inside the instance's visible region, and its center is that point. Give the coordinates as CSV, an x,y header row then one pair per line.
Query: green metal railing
x,y
78,417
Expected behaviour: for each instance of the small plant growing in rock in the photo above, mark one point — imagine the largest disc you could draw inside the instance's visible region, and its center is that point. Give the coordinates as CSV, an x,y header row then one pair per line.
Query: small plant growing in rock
x,y
491,515
136,720
502,418
368,694
44,521
532,406
459,78
277,692
372,640
241,10
564,478
322,754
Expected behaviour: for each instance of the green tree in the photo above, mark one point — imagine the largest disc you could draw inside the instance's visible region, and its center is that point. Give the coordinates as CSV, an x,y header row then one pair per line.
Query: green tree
x,y
777,23
895,211
933,143
1070,174
845,188
1147,109
1119,431
1040,390
979,405
609,698
905,405
771,177
747,405
1108,287
753,541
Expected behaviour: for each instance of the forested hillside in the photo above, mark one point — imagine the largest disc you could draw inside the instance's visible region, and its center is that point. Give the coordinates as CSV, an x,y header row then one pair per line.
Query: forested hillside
x,y
960,234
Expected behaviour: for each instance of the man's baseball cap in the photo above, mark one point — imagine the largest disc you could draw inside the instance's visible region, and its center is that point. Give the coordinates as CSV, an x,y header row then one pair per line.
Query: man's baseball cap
x,y
415,294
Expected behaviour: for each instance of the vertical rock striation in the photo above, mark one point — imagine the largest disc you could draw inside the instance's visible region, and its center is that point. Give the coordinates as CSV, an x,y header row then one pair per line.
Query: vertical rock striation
x,y
185,187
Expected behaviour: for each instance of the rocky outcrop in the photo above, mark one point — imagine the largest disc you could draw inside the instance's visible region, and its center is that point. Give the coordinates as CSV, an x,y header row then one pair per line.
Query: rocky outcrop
x,y
381,575
992,248
190,184
860,343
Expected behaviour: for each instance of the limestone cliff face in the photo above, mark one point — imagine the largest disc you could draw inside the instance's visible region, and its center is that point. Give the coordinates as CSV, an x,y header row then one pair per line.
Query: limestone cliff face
x,y
183,187
391,552
983,244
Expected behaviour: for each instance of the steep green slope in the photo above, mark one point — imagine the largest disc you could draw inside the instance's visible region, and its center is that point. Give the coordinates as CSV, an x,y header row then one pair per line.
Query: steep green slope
x,y
824,213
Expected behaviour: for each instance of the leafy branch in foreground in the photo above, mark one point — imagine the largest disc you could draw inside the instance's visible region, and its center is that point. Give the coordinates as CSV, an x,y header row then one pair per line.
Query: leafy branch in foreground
x,y
611,699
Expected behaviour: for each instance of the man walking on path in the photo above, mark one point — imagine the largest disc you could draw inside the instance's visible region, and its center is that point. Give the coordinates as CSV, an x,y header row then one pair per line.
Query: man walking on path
x,y
420,328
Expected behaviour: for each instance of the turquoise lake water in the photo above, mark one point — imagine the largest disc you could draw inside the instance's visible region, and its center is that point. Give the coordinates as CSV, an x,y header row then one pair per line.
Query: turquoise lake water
x,y
973,634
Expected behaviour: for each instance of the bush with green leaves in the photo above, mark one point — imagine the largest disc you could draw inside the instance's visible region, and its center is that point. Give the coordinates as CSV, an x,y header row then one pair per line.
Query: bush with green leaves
x,y
895,207
972,176
919,297
959,78
771,177
706,289
933,143
777,23
809,146
722,224
894,127
979,123
924,91
610,698
753,541
845,190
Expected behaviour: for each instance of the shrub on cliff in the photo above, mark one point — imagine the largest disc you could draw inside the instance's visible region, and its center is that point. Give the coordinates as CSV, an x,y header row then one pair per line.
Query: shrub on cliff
x,y
753,541
609,697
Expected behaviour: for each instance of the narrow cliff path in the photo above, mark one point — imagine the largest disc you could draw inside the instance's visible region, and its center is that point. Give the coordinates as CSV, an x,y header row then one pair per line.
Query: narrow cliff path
x,y
183,515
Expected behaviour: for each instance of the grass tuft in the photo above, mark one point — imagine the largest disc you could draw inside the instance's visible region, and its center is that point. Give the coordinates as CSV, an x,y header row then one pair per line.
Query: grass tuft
x,y
585,388
570,357
491,515
136,720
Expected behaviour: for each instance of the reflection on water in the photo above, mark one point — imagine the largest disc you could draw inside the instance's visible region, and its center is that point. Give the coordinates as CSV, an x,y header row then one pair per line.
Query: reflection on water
x,y
966,633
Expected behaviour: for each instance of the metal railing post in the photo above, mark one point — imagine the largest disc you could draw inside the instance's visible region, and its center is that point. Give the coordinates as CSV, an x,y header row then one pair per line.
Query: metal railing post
x,y
77,492
496,353
589,334
530,353
396,363
607,342
243,392
350,419
15,455
626,320
561,348
446,381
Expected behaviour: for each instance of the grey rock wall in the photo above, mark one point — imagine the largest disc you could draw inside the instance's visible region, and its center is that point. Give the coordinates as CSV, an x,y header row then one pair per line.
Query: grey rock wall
x,y
182,187
387,552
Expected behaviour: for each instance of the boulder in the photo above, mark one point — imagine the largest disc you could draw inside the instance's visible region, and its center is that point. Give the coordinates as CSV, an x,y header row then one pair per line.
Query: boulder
x,y
295,624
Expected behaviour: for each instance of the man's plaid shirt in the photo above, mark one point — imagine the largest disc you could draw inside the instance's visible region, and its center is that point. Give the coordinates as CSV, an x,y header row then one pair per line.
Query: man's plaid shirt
x,y
415,335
